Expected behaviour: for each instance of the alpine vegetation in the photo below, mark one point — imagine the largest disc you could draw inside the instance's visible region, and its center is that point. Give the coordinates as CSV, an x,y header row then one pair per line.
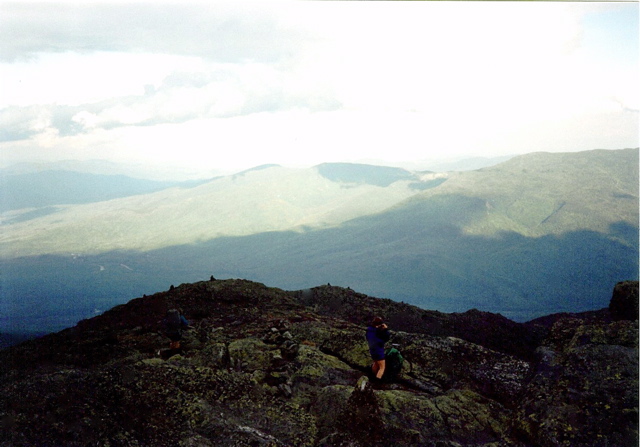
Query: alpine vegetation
x,y
261,366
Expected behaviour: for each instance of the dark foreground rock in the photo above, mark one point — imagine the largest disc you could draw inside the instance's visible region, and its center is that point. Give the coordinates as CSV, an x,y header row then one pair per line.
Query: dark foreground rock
x,y
624,301
266,367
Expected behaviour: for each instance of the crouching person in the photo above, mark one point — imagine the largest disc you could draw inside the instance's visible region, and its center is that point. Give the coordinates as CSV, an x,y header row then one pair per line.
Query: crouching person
x,y
377,335
175,323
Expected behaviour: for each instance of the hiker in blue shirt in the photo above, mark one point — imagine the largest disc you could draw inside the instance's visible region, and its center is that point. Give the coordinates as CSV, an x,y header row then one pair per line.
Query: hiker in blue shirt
x,y
377,335
175,323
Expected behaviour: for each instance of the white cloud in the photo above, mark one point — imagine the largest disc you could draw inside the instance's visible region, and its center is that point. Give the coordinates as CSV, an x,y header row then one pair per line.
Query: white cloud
x,y
86,119
80,78
305,82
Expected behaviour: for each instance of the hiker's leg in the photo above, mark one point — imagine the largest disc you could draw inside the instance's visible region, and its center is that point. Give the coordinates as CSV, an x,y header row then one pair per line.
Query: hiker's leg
x,y
381,366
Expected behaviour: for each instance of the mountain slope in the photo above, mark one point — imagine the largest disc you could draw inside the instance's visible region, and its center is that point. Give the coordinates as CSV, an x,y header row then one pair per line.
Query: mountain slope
x,y
542,193
270,199
48,188
359,173
533,195
264,366
540,233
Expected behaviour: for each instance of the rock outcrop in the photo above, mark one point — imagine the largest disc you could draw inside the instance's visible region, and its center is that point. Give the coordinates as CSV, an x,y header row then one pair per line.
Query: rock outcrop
x,y
624,302
267,367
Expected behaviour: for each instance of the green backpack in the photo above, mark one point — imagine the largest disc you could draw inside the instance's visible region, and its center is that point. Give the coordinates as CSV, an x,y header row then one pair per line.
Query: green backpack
x,y
393,363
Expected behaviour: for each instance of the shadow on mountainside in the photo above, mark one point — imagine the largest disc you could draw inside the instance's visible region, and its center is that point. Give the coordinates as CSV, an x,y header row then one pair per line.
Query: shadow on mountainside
x,y
429,263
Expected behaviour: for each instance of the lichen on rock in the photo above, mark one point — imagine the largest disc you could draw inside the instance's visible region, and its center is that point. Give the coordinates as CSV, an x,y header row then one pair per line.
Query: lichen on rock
x,y
261,367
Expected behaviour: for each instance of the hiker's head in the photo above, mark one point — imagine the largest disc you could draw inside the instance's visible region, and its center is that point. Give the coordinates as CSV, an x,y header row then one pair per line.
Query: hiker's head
x,y
377,321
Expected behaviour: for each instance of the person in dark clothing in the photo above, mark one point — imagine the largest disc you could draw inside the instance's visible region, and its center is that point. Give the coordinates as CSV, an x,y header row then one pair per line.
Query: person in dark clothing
x,y
377,335
175,323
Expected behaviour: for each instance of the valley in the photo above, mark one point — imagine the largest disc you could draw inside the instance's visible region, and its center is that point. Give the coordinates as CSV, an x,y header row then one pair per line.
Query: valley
x,y
537,234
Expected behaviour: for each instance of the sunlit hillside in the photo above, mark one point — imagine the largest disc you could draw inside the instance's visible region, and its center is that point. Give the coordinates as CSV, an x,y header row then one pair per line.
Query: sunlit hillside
x,y
542,193
532,195
538,234
256,201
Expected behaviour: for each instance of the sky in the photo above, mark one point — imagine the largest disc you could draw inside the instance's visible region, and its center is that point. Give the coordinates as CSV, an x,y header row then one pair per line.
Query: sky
x,y
231,85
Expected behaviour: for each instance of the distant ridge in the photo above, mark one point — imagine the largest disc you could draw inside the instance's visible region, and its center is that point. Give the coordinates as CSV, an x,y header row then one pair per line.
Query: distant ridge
x,y
60,187
541,233
363,173
156,172
257,168
468,164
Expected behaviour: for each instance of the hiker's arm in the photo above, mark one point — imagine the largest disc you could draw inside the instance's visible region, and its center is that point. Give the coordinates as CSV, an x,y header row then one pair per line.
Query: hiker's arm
x,y
384,334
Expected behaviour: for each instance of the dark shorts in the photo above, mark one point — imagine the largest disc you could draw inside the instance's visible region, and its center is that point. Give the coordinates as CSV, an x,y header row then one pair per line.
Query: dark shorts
x,y
174,336
377,356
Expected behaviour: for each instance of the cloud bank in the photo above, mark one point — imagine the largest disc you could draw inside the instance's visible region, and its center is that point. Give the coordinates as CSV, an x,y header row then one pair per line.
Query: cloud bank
x,y
244,83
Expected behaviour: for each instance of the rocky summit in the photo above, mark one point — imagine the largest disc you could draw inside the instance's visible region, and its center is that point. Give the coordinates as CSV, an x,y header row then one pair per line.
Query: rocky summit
x,y
262,366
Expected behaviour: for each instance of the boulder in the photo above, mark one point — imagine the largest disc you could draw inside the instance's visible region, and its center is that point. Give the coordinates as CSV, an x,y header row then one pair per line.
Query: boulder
x,y
624,301
362,418
585,388
250,354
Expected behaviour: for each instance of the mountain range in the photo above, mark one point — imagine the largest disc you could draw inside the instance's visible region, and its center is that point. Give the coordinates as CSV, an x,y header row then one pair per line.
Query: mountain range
x,y
537,234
